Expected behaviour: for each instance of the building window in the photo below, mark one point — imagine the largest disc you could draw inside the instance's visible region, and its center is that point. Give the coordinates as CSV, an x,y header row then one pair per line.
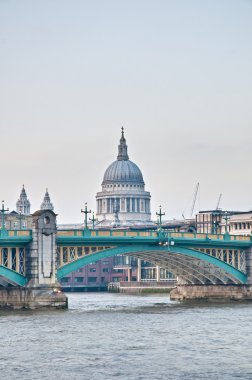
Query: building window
x,y
105,270
116,279
64,280
92,270
92,279
78,279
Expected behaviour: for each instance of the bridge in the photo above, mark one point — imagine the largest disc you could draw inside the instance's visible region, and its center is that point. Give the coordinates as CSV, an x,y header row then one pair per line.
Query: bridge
x,y
37,258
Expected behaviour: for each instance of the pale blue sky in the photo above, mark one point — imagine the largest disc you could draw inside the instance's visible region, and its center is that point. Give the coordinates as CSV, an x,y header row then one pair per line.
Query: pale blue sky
x,y
176,74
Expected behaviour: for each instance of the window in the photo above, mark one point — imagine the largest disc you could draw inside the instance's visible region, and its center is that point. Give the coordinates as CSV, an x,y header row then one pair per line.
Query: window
x,y
78,279
92,270
105,270
116,279
64,280
105,262
92,279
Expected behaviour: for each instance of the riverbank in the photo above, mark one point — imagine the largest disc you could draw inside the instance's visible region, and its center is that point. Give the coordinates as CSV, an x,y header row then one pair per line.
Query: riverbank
x,y
141,287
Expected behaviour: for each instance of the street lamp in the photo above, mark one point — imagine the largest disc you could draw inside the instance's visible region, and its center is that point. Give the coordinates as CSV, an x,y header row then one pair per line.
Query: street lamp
x,y
86,212
160,214
3,210
93,220
226,218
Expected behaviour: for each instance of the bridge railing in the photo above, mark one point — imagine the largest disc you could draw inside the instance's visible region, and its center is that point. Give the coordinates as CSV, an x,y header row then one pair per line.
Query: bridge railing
x,y
15,234
149,234
106,233
187,235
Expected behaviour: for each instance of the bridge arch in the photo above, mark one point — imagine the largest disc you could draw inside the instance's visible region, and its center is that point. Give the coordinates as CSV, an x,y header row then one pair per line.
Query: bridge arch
x,y
10,277
193,267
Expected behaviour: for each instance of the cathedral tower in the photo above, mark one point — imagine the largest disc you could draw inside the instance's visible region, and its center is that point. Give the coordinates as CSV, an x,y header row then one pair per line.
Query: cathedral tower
x,y
23,205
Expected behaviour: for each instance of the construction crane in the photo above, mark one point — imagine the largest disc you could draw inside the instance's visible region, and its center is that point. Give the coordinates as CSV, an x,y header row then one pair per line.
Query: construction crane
x,y
218,202
194,199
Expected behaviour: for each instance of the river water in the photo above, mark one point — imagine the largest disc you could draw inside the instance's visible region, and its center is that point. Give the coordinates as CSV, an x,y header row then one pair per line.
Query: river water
x,y
113,336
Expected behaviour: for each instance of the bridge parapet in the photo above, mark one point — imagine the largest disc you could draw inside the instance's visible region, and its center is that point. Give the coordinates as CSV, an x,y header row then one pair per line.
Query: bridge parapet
x,y
15,236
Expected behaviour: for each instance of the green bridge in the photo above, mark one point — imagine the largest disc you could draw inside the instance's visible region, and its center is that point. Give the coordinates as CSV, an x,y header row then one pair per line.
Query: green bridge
x,y
31,260
194,258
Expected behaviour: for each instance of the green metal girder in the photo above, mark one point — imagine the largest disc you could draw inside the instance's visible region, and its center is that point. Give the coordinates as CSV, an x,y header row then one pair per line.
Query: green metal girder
x,y
12,277
131,249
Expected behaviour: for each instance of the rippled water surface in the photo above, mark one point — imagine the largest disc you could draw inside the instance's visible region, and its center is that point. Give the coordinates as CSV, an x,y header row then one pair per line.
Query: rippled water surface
x,y
106,336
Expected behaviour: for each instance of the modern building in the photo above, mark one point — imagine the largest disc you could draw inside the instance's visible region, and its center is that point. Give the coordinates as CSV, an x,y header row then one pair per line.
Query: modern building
x,y
220,222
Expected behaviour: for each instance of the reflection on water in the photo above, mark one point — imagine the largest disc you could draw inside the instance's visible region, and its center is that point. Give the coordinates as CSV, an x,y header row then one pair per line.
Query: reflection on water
x,y
105,336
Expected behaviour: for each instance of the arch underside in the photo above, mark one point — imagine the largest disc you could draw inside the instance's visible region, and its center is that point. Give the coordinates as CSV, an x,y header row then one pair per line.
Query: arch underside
x,y
189,270
190,266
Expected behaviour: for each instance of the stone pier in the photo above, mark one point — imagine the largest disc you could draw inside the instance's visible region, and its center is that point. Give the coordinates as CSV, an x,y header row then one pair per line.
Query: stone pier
x,y
42,289
32,298
221,292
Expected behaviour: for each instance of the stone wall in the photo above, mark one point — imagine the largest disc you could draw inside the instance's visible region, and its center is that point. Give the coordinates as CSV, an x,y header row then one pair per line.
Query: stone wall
x,y
221,292
32,298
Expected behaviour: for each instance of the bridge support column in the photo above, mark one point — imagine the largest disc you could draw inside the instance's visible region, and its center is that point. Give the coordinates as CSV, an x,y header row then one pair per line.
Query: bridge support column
x,y
139,270
43,289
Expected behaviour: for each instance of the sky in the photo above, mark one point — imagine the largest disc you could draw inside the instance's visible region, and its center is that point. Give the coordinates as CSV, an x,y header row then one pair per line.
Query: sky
x,y
175,73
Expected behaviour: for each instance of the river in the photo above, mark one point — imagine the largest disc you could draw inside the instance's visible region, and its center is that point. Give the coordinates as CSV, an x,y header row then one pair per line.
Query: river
x,y
113,336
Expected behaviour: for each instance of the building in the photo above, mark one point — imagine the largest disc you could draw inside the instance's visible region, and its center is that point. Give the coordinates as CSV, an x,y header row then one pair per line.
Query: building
x,y
221,222
241,224
123,198
123,202
21,218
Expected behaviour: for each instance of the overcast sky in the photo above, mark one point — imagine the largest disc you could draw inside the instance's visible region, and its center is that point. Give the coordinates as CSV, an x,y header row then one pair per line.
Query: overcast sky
x,y
176,74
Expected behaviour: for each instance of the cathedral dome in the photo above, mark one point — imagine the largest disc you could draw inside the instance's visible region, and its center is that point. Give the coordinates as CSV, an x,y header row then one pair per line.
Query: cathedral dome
x,y
123,171
123,197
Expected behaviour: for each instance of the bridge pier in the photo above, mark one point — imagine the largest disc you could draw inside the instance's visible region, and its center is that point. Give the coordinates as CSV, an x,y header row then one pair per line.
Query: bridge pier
x,y
42,289
31,298
214,292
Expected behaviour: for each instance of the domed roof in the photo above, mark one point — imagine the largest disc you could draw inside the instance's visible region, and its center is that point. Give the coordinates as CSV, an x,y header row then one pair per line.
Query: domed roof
x,y
123,170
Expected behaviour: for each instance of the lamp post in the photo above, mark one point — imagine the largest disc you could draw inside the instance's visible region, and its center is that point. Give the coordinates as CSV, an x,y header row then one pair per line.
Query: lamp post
x,y
226,218
3,210
93,220
160,214
86,212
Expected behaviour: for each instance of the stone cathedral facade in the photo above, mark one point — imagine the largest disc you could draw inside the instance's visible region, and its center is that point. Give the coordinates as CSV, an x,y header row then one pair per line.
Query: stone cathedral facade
x,y
123,198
